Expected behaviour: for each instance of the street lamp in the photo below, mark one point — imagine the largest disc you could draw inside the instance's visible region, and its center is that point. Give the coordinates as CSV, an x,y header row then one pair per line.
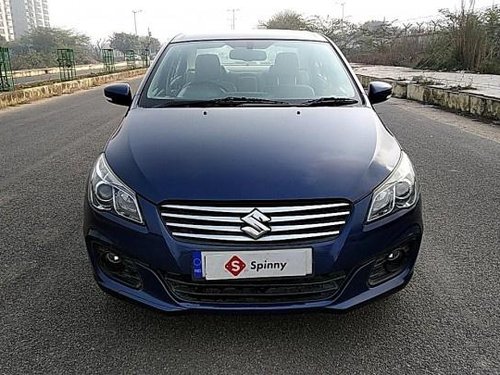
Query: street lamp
x,y
233,17
135,19
342,4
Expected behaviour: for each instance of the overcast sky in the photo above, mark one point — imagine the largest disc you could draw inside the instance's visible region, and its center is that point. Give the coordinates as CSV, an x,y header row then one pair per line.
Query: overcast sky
x,y
100,18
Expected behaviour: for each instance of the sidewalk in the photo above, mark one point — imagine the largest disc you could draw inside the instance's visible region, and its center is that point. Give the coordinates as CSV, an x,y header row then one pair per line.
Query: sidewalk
x,y
479,84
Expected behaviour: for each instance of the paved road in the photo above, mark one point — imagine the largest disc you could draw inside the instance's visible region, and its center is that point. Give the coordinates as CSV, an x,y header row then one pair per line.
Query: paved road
x,y
53,318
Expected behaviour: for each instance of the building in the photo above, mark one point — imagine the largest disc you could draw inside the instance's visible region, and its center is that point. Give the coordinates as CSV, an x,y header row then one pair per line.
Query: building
x,y
6,26
20,16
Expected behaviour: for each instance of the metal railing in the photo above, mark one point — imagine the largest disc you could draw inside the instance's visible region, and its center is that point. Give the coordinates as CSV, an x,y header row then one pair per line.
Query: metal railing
x,y
6,79
65,69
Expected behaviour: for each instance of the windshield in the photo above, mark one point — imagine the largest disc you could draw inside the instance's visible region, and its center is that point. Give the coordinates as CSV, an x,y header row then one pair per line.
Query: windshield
x,y
260,71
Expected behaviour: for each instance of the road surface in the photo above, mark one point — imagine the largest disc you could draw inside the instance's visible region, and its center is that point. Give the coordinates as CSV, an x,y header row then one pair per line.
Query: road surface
x,y
55,320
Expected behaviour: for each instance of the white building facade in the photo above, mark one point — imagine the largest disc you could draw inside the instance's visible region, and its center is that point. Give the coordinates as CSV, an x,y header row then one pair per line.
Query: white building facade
x,y
18,17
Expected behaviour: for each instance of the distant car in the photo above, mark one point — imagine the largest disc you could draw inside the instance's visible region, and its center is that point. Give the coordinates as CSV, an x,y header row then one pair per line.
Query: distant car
x,y
139,57
252,173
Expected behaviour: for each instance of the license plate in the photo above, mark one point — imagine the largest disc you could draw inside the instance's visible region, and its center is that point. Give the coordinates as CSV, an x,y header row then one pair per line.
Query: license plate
x,y
226,265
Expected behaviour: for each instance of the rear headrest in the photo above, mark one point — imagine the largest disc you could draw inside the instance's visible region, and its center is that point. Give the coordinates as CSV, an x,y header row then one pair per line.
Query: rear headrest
x,y
286,63
207,67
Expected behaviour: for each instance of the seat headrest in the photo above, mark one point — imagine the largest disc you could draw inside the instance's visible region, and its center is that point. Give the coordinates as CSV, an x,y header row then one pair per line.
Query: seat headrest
x,y
207,67
286,63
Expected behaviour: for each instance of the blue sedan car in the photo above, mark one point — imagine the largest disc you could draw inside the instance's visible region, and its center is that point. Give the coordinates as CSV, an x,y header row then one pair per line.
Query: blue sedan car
x,y
252,173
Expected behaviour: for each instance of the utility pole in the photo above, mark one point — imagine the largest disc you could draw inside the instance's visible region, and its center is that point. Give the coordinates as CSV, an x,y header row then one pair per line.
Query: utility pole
x,y
233,17
343,14
135,19
342,4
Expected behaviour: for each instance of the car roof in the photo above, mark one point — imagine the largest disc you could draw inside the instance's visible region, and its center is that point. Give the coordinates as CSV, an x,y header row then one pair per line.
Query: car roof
x,y
252,34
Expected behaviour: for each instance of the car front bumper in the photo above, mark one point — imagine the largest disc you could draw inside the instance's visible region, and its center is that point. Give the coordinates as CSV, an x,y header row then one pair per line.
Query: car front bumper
x,y
152,253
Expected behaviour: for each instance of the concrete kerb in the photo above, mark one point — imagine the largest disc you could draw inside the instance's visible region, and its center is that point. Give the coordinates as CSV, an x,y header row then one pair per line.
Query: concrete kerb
x,y
32,94
55,70
458,101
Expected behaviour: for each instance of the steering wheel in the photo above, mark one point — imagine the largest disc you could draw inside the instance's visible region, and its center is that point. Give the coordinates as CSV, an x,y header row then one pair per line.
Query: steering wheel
x,y
202,89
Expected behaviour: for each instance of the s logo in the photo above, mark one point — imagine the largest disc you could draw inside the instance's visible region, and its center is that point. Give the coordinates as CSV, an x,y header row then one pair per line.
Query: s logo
x,y
235,265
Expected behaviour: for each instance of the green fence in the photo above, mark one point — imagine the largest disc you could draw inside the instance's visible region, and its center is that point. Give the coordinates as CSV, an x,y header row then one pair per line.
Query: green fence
x,y
6,80
146,59
108,60
130,58
66,61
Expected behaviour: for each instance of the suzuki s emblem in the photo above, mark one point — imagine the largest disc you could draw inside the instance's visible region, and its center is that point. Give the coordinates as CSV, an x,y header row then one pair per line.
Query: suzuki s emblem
x,y
256,227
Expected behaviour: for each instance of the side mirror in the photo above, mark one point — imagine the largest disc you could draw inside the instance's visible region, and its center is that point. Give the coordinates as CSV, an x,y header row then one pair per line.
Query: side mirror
x,y
119,93
379,92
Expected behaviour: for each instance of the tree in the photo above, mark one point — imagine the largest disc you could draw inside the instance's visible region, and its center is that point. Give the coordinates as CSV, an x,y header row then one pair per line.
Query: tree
x,y
38,48
464,39
287,20
150,43
124,41
342,32
491,19
97,47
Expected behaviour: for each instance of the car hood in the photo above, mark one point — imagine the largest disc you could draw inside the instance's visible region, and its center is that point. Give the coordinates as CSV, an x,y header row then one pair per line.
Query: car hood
x,y
252,153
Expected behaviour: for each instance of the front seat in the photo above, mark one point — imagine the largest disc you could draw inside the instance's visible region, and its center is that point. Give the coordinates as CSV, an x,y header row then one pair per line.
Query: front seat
x,y
285,70
207,68
285,78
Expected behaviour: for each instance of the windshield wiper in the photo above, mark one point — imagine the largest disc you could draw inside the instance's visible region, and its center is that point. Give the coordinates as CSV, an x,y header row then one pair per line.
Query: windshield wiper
x,y
329,101
220,102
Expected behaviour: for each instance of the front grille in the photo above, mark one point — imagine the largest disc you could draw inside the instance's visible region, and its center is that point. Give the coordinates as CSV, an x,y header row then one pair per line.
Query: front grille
x,y
255,222
283,290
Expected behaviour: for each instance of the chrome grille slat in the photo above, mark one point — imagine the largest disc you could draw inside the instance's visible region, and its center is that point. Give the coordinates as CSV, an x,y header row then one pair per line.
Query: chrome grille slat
x,y
266,210
263,222
221,228
237,229
236,219
222,219
244,238
286,228
281,219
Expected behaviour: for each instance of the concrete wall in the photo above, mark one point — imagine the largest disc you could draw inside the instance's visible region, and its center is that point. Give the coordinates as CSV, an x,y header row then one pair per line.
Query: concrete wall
x,y
42,92
457,101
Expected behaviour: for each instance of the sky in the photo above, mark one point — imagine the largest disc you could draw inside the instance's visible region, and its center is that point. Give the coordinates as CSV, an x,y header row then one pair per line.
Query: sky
x,y
100,18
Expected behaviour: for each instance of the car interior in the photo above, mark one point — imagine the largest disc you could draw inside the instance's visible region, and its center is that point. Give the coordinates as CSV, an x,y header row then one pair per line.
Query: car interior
x,y
198,74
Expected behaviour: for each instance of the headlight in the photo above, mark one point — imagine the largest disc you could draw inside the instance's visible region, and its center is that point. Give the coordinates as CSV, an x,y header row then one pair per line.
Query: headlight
x,y
399,190
108,193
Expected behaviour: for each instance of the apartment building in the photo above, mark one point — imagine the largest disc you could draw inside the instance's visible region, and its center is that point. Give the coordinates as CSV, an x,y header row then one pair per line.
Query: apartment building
x,y
20,16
